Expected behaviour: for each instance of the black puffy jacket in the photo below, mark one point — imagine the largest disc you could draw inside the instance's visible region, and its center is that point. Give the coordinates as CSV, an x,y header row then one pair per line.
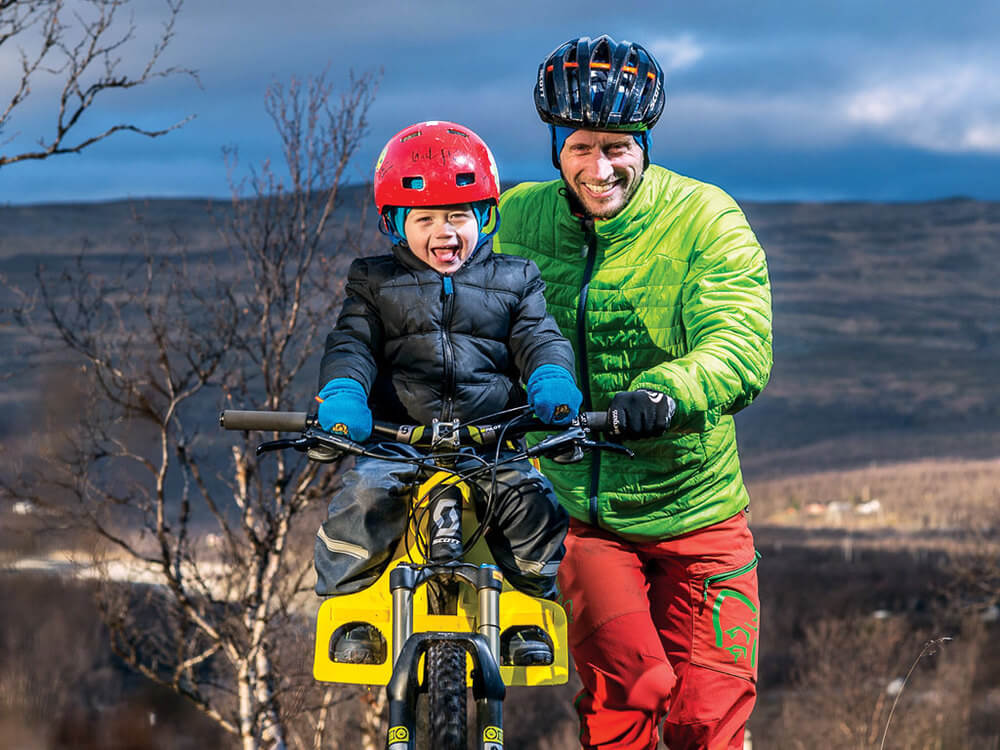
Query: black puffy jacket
x,y
429,346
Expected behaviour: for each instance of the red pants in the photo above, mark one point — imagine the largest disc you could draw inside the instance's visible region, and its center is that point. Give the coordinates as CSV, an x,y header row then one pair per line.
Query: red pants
x,y
663,629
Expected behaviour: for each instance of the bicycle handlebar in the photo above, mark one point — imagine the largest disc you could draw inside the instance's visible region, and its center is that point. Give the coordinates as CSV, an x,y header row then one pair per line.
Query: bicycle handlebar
x,y
325,446
299,421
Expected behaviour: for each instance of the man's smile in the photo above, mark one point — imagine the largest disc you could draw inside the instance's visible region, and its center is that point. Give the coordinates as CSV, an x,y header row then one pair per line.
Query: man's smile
x,y
602,189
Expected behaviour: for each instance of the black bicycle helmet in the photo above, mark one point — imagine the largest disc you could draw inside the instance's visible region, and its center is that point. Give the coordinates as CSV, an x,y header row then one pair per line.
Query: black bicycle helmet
x,y
600,84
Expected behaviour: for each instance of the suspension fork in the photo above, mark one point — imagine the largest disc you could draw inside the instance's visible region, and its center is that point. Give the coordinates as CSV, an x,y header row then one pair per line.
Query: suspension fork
x,y
483,647
445,573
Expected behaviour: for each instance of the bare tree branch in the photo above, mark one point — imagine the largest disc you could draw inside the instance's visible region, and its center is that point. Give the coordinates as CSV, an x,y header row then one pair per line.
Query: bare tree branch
x,y
161,345
85,54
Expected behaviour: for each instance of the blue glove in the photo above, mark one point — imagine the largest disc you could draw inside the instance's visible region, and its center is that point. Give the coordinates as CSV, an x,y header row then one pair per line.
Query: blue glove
x,y
553,395
344,408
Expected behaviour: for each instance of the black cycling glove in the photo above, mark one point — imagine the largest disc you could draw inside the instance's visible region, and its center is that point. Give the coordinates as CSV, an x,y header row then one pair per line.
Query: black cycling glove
x,y
639,414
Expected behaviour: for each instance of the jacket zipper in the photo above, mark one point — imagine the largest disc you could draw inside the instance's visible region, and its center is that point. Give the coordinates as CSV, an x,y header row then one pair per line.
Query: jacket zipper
x,y
720,577
447,310
584,367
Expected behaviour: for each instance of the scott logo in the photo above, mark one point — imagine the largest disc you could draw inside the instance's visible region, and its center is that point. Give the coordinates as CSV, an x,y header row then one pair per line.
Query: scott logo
x,y
446,516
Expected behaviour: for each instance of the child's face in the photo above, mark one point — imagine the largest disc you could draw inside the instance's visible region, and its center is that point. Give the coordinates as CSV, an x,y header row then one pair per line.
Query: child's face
x,y
442,237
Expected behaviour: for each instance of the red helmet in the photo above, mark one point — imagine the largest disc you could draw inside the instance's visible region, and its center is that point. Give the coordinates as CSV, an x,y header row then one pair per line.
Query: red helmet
x,y
435,163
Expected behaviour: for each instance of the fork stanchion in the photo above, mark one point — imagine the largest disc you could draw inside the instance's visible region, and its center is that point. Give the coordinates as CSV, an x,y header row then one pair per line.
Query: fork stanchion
x,y
489,690
402,581
489,583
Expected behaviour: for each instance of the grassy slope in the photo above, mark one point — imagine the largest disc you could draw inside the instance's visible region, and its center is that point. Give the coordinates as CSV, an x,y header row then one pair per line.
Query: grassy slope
x,y
912,496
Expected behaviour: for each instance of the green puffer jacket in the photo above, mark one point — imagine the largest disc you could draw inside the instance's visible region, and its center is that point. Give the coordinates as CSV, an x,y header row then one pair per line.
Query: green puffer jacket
x,y
672,295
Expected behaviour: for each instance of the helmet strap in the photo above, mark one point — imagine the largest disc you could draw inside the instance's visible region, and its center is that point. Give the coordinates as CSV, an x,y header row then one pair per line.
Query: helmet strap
x,y
644,140
559,135
482,210
391,223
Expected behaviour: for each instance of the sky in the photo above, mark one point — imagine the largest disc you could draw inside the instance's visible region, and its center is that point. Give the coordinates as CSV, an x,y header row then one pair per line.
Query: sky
x,y
891,100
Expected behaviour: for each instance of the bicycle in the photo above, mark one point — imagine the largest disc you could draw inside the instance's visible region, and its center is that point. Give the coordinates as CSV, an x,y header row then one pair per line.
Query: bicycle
x,y
441,608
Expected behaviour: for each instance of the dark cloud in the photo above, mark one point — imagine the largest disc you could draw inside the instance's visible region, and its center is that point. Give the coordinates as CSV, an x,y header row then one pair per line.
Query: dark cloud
x,y
824,83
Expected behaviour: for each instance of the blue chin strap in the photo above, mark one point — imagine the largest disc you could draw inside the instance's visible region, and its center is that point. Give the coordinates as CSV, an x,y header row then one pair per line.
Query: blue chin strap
x,y
482,210
393,220
560,133
391,223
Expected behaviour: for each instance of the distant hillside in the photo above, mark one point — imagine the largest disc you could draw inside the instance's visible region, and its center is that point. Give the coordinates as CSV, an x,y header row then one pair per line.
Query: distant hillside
x,y
887,334
64,229
886,318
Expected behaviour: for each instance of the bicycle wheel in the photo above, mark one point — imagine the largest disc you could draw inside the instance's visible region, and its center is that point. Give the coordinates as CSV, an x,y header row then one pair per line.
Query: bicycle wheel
x,y
446,695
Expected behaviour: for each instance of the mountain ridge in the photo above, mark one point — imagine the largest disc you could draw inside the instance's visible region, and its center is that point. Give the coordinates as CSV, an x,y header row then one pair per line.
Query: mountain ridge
x,y
886,332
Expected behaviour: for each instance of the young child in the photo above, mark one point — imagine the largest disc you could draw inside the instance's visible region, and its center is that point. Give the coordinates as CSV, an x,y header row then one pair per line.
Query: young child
x,y
441,328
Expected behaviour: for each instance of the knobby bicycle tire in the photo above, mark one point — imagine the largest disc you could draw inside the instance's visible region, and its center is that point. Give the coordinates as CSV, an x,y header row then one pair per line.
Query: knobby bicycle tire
x,y
446,695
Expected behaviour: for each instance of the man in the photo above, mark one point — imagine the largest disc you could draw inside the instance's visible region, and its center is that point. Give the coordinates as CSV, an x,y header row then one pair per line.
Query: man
x,y
660,284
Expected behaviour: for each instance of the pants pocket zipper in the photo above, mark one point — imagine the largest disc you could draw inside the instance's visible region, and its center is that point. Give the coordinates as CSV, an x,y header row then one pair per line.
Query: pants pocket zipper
x,y
719,577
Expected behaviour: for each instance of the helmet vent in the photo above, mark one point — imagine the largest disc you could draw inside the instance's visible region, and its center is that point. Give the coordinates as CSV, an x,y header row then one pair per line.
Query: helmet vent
x,y
458,132
413,183
465,178
408,136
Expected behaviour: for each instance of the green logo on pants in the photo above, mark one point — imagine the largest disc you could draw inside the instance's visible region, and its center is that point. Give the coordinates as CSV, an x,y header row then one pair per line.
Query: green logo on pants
x,y
739,636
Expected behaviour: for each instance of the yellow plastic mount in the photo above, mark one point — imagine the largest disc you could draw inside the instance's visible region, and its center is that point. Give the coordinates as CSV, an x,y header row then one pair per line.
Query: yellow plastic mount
x,y
373,605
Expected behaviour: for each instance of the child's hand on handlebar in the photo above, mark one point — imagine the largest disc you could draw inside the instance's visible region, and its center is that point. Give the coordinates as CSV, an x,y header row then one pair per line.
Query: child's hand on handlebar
x,y
553,395
343,408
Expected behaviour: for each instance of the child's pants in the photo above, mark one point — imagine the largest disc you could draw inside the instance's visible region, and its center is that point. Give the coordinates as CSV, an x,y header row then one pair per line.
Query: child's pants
x,y
663,629
368,516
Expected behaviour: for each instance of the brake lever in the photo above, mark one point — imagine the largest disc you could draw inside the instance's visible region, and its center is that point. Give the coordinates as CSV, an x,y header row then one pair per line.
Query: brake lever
x,y
575,439
334,440
300,444
324,447
605,446
560,440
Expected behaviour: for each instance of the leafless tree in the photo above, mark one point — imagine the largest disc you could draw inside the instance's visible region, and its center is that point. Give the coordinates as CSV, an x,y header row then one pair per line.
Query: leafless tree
x,y
162,345
849,681
973,569
80,45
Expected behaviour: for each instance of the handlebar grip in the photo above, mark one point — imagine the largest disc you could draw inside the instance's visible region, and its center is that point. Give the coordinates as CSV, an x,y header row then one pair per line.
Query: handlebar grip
x,y
265,421
596,420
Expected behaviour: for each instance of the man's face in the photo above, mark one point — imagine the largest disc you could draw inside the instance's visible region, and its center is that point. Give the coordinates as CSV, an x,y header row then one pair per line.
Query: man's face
x,y
442,237
602,169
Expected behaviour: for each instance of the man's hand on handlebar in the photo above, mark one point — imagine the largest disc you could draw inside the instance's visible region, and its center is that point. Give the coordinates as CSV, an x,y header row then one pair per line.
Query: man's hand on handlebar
x,y
639,414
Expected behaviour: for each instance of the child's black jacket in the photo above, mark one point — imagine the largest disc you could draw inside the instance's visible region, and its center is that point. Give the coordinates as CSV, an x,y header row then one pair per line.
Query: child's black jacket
x,y
428,346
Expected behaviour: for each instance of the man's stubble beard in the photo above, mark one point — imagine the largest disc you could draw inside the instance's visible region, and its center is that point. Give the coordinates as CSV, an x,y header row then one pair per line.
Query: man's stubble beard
x,y
610,214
